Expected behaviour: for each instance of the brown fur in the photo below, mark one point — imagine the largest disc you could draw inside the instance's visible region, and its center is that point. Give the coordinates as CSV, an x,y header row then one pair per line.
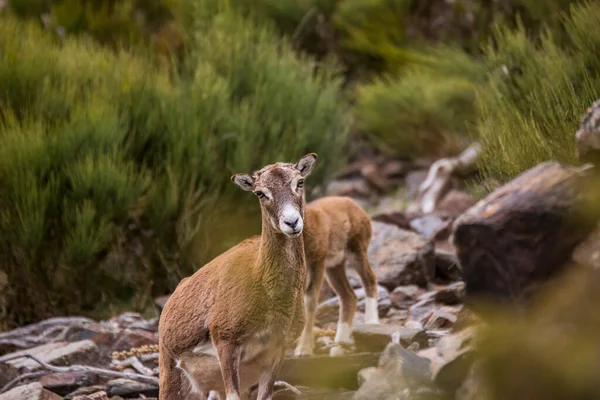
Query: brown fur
x,y
245,302
336,230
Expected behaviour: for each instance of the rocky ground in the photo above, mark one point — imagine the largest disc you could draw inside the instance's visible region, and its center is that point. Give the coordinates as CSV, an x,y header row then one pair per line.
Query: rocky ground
x,y
420,303
424,347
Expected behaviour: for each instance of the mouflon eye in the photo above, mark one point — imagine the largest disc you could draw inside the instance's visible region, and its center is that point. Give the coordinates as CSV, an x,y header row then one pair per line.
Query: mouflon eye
x,y
260,194
300,183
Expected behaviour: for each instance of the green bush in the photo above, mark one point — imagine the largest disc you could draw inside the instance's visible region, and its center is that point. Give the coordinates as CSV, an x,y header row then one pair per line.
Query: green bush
x,y
108,21
115,175
537,93
427,110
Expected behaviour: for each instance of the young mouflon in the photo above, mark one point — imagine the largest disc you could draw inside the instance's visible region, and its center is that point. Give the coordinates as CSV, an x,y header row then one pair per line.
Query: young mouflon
x,y
225,327
337,230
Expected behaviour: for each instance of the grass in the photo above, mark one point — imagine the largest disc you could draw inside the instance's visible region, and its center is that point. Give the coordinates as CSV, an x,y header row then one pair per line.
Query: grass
x,y
115,174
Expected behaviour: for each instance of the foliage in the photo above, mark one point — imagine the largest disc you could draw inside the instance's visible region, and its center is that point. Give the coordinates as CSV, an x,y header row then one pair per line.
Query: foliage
x,y
537,94
108,21
548,351
115,175
427,110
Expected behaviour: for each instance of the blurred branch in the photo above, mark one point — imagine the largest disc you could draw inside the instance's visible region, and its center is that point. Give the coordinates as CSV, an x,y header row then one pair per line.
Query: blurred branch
x,y
77,368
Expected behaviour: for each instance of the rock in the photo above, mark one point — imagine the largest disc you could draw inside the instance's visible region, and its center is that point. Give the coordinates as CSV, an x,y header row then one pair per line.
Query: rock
x,y
450,360
375,178
128,388
450,376
403,297
394,169
127,339
365,374
395,317
85,391
374,338
427,225
101,395
401,220
588,252
455,202
309,393
447,267
355,168
439,319
399,257
421,310
65,383
522,234
356,187
32,391
79,333
328,310
451,294
399,372
413,181
58,353
325,371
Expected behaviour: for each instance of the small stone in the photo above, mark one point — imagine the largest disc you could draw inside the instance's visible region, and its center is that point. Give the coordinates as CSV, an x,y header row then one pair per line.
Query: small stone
x,y
86,390
395,316
374,338
101,395
32,391
403,297
394,169
427,225
129,388
451,294
128,339
65,383
439,319
365,374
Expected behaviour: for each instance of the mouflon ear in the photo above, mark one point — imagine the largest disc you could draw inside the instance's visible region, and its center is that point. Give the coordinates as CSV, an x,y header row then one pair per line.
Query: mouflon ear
x,y
306,164
244,181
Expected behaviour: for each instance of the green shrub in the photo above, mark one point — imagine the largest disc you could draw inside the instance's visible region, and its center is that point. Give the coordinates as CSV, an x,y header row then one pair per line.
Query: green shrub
x,y
427,110
115,175
108,21
537,94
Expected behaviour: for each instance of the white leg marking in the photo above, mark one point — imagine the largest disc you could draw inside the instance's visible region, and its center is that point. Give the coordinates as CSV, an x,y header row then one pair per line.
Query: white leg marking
x,y
343,333
232,396
305,346
371,312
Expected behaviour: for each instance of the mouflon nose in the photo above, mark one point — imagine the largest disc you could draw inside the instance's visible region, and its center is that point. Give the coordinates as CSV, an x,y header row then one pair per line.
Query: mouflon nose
x,y
292,224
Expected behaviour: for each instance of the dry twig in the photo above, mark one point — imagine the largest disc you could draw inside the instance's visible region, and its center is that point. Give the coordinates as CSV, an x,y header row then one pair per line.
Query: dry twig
x,y
83,368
